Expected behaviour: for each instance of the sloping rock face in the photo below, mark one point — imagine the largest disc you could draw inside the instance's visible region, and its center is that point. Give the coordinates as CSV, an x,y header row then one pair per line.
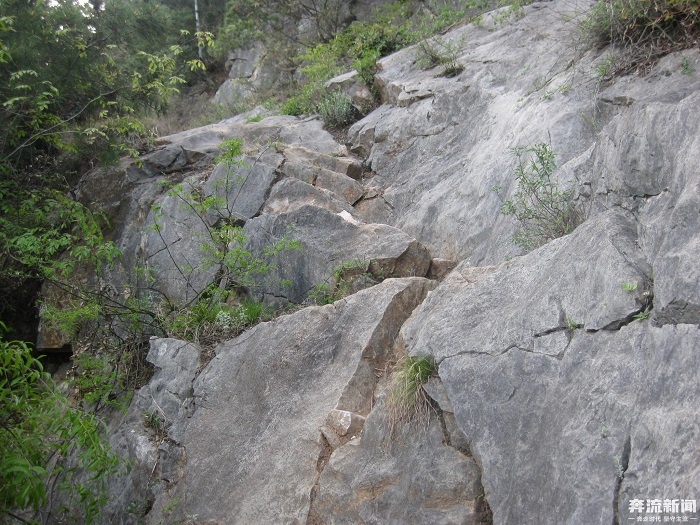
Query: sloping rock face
x,y
294,182
566,379
420,474
562,389
275,398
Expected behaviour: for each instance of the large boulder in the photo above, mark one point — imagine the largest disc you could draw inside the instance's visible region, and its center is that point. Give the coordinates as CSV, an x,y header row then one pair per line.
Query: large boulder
x,y
560,380
254,440
328,240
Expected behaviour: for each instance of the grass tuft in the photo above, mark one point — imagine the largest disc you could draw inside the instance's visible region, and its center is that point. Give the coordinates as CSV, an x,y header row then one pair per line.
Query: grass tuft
x,y
406,400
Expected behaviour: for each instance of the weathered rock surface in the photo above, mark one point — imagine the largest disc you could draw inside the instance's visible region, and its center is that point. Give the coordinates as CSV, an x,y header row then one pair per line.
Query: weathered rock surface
x,y
567,377
292,183
563,394
271,400
139,435
550,293
414,476
329,240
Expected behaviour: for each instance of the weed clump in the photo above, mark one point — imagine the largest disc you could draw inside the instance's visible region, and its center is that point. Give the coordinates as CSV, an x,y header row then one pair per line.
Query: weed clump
x,y
645,30
336,110
544,210
434,51
406,400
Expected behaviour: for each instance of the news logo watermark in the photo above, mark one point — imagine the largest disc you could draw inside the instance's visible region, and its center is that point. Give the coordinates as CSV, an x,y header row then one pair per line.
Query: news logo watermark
x,y
663,511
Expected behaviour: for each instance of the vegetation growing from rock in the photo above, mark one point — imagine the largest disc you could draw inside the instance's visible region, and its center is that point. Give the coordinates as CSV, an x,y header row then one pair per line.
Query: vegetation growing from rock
x,y
48,445
336,110
644,30
542,207
362,43
406,400
435,51
342,283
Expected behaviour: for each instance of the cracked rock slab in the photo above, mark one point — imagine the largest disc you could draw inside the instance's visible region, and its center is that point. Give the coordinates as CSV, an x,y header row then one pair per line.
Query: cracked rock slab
x,y
412,478
529,302
328,240
254,440
243,188
556,415
554,436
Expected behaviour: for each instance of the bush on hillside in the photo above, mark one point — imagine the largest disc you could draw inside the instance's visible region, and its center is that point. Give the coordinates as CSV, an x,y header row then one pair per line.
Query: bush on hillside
x,y
645,29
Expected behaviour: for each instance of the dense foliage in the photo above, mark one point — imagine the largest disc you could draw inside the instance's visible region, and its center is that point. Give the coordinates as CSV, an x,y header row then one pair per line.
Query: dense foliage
x,y
74,79
47,443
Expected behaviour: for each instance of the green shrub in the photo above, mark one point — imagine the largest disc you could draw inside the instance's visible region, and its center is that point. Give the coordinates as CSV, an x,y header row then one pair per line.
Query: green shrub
x,y
644,29
544,210
46,441
435,51
336,110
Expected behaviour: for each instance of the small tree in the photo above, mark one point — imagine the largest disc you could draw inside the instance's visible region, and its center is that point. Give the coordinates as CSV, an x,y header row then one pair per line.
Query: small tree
x,y
543,209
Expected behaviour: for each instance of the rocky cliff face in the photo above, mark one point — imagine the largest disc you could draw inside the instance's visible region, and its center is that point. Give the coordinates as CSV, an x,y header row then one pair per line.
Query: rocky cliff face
x,y
567,378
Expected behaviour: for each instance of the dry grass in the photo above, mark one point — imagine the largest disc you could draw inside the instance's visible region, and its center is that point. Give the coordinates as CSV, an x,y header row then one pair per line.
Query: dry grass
x,y
644,30
406,400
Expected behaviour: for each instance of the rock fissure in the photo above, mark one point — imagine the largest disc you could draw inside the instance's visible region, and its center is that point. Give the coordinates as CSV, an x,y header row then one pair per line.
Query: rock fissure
x,y
554,330
643,312
454,438
324,456
527,350
621,466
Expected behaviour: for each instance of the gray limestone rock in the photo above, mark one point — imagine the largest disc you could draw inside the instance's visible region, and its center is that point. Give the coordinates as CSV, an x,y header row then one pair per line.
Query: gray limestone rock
x,y
138,437
531,303
254,440
328,240
167,394
412,476
560,390
290,194
172,245
242,188
305,164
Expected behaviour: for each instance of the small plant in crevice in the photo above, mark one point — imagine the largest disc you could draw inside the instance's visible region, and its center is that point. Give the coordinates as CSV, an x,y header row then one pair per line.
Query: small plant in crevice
x,y
630,286
572,325
643,315
348,277
686,68
406,400
543,209
336,110
644,300
321,294
158,423
606,68
140,508
619,467
436,51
